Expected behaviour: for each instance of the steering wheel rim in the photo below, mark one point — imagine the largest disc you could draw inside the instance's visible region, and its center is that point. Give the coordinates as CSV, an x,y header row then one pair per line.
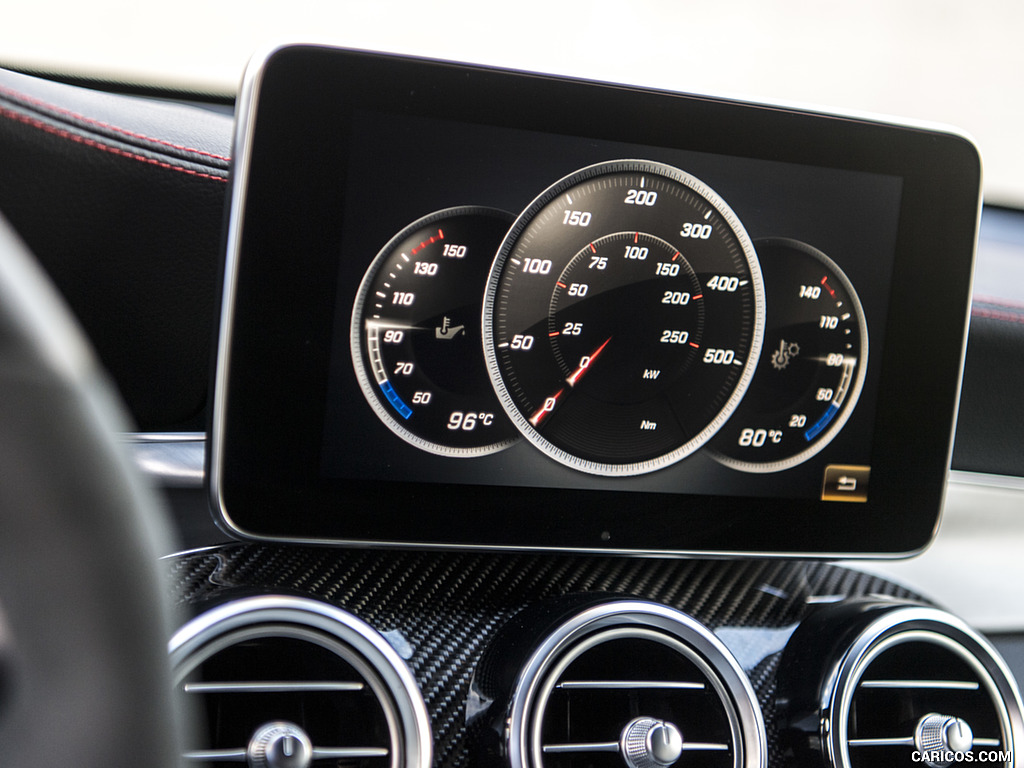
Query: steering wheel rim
x,y
84,674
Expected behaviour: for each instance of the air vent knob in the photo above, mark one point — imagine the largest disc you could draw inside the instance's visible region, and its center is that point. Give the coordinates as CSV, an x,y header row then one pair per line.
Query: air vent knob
x,y
942,733
280,744
650,743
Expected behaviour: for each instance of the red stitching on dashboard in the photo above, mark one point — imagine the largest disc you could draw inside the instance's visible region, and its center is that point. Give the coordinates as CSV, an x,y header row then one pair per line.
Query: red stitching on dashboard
x,y
104,147
40,103
995,314
1009,303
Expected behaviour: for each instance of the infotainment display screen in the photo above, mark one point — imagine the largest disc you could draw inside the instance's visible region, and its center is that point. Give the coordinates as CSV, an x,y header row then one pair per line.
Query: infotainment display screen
x,y
475,308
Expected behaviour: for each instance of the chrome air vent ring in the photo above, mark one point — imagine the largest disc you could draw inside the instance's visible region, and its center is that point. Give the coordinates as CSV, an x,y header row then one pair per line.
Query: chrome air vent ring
x,y
638,681
943,665
299,677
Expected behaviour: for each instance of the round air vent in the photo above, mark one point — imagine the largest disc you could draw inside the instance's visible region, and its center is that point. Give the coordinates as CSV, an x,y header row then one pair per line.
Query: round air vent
x,y
283,682
633,685
917,686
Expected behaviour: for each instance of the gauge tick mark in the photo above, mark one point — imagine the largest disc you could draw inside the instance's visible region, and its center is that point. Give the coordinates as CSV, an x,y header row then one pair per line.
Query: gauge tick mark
x,y
430,241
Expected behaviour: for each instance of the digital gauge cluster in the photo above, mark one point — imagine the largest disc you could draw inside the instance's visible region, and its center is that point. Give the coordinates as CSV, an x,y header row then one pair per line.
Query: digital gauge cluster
x,y
622,322
470,307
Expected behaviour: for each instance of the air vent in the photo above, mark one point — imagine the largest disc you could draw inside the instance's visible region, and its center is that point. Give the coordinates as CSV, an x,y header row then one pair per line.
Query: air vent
x,y
920,681
634,685
282,681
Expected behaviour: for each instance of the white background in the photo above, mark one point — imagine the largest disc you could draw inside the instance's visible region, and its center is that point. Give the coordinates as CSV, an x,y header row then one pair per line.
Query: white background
x,y
954,62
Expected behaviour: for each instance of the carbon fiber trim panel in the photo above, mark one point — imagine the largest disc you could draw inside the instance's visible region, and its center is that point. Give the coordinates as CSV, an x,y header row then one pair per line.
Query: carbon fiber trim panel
x,y
440,610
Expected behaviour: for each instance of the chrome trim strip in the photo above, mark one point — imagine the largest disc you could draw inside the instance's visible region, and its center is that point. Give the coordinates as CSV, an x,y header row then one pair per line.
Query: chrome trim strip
x,y
346,753
947,685
613,746
307,614
967,332
171,459
216,755
245,116
603,746
907,741
319,753
701,746
210,549
627,684
267,687
986,480
824,599
987,742
164,437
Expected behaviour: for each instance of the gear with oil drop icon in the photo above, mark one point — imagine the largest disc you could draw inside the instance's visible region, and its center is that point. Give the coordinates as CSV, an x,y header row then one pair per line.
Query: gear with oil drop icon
x,y
785,353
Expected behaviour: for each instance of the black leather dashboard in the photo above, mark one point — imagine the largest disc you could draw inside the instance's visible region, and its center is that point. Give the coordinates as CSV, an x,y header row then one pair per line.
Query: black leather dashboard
x,y
122,201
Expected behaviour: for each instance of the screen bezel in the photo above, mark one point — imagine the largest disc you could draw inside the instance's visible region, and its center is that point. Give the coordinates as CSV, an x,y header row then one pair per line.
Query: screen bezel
x,y
270,389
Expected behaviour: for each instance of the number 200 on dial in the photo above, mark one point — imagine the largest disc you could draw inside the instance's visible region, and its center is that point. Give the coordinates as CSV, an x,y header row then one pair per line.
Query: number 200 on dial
x,y
623,317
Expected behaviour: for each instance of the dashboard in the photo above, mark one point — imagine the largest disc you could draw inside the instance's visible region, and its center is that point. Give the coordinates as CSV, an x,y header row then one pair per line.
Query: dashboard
x,y
464,588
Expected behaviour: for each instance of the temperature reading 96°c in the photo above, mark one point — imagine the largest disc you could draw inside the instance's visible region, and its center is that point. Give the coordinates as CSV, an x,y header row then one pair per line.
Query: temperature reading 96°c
x,y
467,422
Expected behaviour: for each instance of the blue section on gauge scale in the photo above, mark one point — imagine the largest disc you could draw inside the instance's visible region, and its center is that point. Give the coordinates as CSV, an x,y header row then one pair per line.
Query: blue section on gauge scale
x,y
823,422
389,392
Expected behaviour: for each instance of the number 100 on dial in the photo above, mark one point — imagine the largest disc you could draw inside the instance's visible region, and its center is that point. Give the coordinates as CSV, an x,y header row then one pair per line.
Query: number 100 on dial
x,y
623,317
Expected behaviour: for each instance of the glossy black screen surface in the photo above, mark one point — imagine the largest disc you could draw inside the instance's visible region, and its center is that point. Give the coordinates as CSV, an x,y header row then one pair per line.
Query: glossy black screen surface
x,y
344,152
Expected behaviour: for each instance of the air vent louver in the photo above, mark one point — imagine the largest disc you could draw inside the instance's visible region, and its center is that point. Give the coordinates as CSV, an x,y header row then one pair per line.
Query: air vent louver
x,y
634,685
279,677
919,681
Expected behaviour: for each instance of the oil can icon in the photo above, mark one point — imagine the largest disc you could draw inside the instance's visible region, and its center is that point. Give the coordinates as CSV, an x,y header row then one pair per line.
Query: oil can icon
x,y
447,330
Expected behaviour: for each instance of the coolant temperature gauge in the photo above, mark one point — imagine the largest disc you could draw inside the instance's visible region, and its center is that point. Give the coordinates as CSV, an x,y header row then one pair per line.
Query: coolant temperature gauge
x,y
812,363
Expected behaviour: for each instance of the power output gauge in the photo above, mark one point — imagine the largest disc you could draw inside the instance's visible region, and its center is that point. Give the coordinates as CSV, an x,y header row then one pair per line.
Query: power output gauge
x,y
623,317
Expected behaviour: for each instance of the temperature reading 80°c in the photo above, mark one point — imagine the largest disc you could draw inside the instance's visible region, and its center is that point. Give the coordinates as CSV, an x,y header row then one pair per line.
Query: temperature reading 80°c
x,y
756,438
812,366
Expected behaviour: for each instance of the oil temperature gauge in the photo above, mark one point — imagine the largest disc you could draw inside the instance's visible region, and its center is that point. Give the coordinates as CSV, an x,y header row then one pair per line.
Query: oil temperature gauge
x,y
416,334
812,363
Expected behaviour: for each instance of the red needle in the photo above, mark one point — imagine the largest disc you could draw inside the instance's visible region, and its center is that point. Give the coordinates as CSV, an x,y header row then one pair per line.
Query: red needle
x,y
552,402
585,363
548,407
